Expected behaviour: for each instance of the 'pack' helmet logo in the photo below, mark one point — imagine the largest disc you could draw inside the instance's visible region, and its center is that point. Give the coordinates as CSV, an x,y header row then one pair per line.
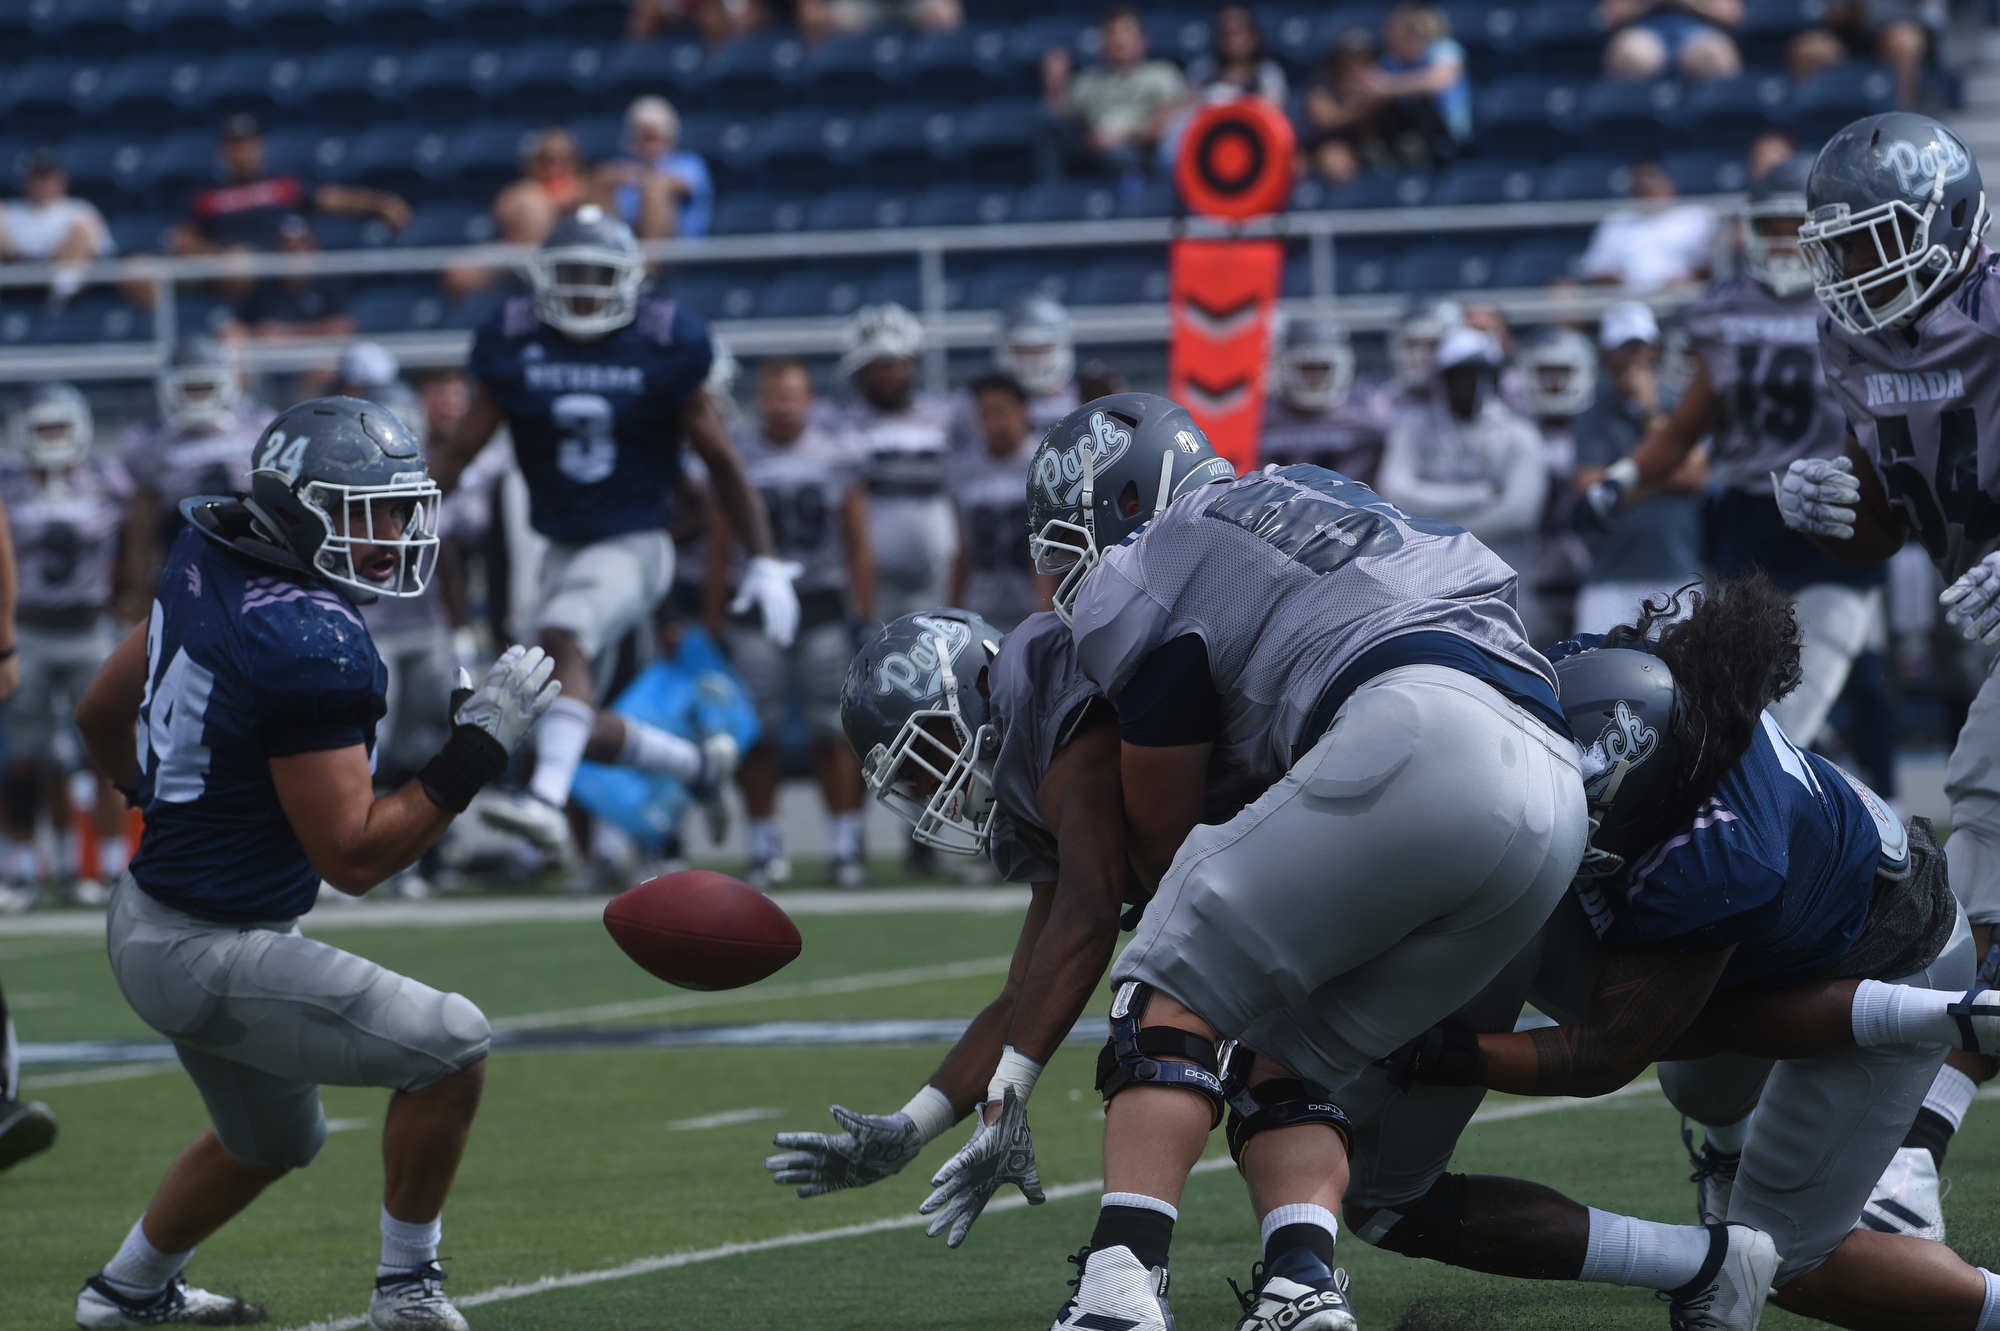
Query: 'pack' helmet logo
x,y
918,672
1059,471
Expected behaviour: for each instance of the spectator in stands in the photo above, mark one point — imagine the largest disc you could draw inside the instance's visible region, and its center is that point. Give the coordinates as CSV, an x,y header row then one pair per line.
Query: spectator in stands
x,y
1341,132
1421,85
1892,31
1769,148
48,226
294,306
1652,243
1238,64
247,210
819,19
716,20
1648,548
551,184
661,190
1108,120
1649,38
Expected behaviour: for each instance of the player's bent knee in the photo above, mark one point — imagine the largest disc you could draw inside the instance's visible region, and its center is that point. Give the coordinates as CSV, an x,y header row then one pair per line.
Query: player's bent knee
x,y
1714,1092
1137,1055
1273,1103
277,1147
460,1038
1431,1226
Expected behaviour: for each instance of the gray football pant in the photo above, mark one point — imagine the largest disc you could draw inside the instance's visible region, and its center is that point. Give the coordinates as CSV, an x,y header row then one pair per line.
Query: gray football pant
x,y
1378,885
1972,780
1834,623
1822,1129
261,1016
916,542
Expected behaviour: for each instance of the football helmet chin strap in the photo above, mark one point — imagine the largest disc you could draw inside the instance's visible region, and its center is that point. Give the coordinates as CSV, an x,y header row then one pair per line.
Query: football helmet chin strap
x,y
1155,1055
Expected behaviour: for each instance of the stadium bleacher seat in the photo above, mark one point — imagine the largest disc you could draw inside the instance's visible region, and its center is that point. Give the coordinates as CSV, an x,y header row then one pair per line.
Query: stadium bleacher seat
x,y
1832,97
1617,115
962,205
1732,109
1067,201
1484,183
1705,170
1584,177
1535,263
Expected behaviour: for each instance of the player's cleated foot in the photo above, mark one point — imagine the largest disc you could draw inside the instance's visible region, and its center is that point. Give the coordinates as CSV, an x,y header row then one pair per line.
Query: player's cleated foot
x,y
179,1304
89,893
1295,1292
720,757
1908,1199
1978,1018
26,1128
413,1301
1115,1291
767,874
1729,1292
536,821
1714,1178
14,900
848,873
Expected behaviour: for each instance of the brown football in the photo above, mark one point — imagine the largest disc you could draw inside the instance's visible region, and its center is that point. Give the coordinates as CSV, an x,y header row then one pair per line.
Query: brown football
x,y
702,930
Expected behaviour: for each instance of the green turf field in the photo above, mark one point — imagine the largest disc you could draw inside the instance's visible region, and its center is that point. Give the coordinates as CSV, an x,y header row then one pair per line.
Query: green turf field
x,y
627,1181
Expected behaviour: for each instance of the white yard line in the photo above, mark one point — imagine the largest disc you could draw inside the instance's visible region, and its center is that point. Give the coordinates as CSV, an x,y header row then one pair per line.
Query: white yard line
x,y
800,1238
91,1076
728,1118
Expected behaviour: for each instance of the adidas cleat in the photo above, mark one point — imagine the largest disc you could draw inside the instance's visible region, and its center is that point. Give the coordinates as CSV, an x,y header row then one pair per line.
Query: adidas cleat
x,y
1296,1292
1115,1292
534,820
1908,1199
1978,1018
179,1304
413,1301
26,1128
1729,1292
1714,1178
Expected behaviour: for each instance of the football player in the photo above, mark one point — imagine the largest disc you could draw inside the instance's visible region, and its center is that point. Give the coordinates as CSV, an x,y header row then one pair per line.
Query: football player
x,y
810,484
1725,859
1356,675
1558,369
904,438
1894,215
1413,345
1757,393
598,388
241,718
1313,415
65,512
201,446
993,576
1037,350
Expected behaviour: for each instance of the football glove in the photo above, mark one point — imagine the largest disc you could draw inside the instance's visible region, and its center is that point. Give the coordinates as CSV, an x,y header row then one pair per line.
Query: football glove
x,y
1972,604
1599,504
870,1149
1818,496
999,1152
488,723
767,585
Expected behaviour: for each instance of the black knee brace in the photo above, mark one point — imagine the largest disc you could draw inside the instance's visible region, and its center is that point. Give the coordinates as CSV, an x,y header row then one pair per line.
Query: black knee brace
x,y
1149,1055
1431,1226
1281,1102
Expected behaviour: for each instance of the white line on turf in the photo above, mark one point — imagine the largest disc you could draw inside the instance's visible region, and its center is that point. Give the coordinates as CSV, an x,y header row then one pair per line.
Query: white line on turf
x,y
91,1076
728,1118
800,1238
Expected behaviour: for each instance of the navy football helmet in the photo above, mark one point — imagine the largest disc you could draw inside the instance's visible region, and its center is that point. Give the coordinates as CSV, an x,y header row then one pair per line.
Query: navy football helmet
x,y
1772,215
1102,472
587,275
914,707
1895,210
1035,345
1624,710
1315,364
338,489
200,387
53,431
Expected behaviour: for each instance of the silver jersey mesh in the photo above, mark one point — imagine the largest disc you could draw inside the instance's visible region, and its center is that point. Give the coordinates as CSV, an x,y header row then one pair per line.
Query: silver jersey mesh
x,y
1035,690
1773,402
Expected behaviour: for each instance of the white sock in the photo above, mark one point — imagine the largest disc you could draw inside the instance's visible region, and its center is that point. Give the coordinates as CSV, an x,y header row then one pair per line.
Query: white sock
x,y
764,842
1989,1313
651,749
1727,1138
139,1269
23,864
1625,1250
1298,1213
69,852
1900,1014
10,1062
1140,1201
112,856
407,1244
1950,1096
559,741
844,830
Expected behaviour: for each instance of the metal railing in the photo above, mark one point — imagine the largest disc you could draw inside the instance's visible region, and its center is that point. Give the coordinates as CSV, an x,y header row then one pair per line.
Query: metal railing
x,y
931,250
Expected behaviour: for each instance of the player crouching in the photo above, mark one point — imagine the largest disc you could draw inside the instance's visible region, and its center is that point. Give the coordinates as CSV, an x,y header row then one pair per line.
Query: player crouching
x,y
241,719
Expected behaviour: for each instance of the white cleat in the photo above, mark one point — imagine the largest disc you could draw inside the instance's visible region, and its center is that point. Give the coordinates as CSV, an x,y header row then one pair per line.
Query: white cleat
x,y
1714,1178
536,821
89,893
1978,1018
720,757
179,1304
1731,1298
1115,1291
767,874
1296,1292
413,1301
1908,1199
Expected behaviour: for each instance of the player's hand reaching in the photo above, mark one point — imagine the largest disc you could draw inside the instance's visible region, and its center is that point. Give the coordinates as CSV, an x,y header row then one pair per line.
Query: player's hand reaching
x,y
869,1149
1972,604
516,691
1818,496
999,1152
767,585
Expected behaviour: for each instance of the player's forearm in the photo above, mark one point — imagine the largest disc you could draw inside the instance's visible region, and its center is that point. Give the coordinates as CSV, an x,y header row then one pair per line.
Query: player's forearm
x,y
969,1066
392,834
1558,1060
1802,1022
741,504
1069,959
108,712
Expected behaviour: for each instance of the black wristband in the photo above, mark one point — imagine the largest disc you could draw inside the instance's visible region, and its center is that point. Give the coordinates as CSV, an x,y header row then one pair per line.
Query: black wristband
x,y
469,760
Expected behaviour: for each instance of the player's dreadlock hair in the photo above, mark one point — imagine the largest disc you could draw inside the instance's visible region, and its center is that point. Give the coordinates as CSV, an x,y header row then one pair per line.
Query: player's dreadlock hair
x,y
1733,650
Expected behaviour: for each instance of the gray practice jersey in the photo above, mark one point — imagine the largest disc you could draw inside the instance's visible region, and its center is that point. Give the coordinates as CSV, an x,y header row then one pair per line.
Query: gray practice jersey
x,y
1038,695
65,532
991,496
1928,413
904,454
172,465
1288,575
1762,357
1348,438
805,485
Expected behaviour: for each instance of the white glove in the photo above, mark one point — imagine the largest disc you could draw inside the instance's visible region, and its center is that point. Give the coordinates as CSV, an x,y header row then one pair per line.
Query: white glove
x,y
871,1149
516,691
767,585
999,1152
1818,496
1972,604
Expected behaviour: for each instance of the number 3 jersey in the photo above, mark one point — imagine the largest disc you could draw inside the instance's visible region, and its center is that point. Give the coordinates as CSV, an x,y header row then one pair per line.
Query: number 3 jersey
x,y
1298,580
1927,410
596,425
243,665
65,530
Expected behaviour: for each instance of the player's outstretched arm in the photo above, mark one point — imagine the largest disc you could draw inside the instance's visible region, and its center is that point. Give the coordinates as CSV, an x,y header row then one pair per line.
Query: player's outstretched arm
x,y
1667,446
767,580
107,714
475,430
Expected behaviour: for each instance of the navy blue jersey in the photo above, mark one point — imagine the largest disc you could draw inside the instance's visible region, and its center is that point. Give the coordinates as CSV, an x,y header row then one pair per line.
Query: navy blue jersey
x,y
1781,861
243,665
596,425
